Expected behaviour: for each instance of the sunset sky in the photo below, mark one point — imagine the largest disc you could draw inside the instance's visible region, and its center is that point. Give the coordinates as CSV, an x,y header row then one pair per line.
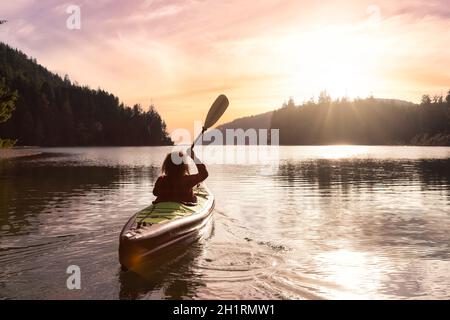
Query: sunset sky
x,y
180,54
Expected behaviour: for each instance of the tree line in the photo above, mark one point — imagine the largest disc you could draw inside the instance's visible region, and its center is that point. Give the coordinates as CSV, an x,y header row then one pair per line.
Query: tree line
x,y
368,121
53,111
7,106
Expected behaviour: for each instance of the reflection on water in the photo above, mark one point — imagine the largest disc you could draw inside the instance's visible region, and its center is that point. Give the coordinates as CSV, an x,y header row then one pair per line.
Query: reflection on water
x,y
328,222
157,278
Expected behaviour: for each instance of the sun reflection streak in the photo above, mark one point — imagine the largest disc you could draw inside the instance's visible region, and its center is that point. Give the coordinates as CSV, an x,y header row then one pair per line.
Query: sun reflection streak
x,y
342,151
354,271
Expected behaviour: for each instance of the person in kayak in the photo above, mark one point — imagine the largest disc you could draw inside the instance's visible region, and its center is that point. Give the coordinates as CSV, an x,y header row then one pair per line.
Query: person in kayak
x,y
176,184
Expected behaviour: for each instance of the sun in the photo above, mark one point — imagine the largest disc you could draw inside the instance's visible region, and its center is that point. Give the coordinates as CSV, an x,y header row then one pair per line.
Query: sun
x,y
342,62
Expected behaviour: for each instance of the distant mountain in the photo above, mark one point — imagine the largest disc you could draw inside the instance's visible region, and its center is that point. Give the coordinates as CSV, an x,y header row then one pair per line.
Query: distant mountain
x,y
263,120
52,111
260,121
367,121
371,121
395,102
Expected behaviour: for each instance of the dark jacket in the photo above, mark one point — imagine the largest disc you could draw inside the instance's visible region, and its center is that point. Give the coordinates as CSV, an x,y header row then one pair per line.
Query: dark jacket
x,y
179,189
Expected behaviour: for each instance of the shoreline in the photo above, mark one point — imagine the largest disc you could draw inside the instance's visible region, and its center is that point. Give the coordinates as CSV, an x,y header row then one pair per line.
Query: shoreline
x,y
29,151
13,153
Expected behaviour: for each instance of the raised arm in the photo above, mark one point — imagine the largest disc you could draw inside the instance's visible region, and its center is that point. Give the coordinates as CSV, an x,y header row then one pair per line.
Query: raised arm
x,y
201,168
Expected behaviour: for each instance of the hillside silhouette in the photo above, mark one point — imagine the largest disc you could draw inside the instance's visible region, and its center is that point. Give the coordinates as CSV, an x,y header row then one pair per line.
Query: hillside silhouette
x,y
368,121
53,111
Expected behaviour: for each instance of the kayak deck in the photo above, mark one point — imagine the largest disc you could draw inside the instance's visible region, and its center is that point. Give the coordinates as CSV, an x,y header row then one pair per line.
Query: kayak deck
x,y
166,211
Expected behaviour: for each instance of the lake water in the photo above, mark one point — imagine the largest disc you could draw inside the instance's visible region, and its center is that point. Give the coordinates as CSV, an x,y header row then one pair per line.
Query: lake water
x,y
320,222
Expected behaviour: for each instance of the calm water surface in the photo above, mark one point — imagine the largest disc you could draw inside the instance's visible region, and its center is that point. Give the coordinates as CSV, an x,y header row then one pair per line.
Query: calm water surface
x,y
323,222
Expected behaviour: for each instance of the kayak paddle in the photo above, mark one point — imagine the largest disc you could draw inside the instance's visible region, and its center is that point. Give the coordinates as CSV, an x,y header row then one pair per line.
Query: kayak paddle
x,y
215,112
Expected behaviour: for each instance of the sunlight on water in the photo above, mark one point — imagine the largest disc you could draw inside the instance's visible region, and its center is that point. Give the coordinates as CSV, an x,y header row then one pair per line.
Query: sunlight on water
x,y
320,222
344,151
354,271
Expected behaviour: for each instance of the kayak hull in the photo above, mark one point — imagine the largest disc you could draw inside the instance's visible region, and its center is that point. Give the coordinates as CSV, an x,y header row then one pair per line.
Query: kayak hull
x,y
139,245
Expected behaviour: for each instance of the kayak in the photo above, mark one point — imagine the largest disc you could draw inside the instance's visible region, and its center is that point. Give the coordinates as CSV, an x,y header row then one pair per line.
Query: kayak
x,y
154,229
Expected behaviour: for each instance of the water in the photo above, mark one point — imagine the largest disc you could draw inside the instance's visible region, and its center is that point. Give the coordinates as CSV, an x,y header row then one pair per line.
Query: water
x,y
323,222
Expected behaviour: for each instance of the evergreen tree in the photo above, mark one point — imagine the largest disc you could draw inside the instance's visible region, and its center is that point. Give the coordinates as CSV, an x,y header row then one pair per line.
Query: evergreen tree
x,y
7,105
7,101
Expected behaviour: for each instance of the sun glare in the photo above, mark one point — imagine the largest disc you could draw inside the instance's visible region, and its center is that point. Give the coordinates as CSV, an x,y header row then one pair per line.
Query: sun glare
x,y
353,271
342,62
342,151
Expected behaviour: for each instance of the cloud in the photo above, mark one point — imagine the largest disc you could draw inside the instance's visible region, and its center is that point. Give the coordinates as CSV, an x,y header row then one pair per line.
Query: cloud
x,y
418,8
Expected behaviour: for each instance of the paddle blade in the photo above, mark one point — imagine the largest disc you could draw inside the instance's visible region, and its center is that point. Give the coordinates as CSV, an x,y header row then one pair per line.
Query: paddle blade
x,y
216,111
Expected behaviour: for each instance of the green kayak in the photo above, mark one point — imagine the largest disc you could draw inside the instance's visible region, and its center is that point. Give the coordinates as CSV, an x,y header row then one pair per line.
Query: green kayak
x,y
161,225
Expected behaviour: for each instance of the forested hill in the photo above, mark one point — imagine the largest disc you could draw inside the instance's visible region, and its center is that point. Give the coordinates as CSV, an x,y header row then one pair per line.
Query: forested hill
x,y
51,111
260,121
367,121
